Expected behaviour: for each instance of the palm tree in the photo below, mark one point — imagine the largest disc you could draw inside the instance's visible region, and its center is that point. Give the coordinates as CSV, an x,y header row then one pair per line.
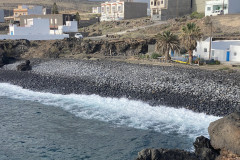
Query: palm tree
x,y
167,41
189,37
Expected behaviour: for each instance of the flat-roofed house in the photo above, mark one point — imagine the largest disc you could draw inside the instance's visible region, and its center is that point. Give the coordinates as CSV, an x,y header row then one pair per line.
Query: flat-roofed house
x,y
26,10
36,29
119,10
55,20
217,7
221,50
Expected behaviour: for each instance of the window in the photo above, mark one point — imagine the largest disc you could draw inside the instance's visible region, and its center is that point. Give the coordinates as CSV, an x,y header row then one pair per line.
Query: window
x,y
205,49
208,8
152,3
108,9
158,3
51,21
155,3
103,9
120,9
162,2
235,54
113,9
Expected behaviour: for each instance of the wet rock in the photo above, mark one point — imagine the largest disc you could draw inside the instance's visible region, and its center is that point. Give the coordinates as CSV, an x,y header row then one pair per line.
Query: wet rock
x,y
204,150
225,133
24,66
165,154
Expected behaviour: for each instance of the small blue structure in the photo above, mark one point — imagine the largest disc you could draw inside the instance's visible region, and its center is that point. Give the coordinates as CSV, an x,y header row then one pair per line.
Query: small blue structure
x,y
228,56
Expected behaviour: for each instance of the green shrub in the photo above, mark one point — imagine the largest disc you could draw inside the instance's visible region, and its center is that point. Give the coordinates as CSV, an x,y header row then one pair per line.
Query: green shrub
x,y
196,15
143,56
155,55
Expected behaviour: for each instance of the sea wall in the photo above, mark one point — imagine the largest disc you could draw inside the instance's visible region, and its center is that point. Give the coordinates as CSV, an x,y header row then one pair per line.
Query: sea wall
x,y
211,92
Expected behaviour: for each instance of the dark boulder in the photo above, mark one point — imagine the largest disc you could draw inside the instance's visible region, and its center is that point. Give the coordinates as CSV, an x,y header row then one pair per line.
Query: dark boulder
x,y
24,66
204,149
165,154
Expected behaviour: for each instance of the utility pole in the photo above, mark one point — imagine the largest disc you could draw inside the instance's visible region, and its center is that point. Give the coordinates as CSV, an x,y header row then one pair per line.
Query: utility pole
x,y
223,8
210,41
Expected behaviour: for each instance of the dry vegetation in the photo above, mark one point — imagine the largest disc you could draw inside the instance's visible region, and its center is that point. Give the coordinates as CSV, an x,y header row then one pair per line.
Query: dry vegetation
x,y
104,28
227,26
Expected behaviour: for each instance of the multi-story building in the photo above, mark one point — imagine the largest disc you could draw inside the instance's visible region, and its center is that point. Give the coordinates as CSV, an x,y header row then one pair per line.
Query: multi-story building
x,y
167,9
55,20
119,10
216,7
26,10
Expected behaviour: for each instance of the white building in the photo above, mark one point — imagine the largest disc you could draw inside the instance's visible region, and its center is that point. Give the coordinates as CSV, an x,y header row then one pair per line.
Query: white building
x,y
36,29
216,7
119,10
1,15
71,26
96,10
221,50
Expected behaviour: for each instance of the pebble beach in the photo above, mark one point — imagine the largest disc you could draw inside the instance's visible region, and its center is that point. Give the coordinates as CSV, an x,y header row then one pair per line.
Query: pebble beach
x,y
212,92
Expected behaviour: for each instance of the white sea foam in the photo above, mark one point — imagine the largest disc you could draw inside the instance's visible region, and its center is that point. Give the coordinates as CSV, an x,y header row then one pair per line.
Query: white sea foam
x,y
121,111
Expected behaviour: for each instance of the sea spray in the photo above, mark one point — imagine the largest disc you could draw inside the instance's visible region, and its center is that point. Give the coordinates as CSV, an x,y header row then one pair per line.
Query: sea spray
x,y
121,111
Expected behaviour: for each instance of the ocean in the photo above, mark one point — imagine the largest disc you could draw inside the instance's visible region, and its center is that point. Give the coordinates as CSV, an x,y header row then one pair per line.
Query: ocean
x,y
37,125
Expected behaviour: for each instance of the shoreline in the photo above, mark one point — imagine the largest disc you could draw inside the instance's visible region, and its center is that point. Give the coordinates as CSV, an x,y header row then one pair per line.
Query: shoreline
x,y
212,92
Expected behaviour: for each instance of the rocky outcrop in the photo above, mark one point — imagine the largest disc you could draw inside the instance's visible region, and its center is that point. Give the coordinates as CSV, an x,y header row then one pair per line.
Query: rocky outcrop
x,y
204,149
224,145
24,66
225,133
12,49
18,49
165,154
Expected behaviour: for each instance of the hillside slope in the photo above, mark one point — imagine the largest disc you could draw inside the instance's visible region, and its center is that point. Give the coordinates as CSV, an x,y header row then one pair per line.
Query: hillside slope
x,y
70,5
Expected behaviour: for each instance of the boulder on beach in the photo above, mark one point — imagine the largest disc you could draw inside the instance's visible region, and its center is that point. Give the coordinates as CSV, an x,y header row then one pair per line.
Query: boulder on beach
x,y
165,154
204,149
24,66
225,133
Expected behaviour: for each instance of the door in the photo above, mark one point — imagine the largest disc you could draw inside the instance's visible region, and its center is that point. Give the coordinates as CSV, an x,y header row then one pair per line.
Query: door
x,y
228,56
172,53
